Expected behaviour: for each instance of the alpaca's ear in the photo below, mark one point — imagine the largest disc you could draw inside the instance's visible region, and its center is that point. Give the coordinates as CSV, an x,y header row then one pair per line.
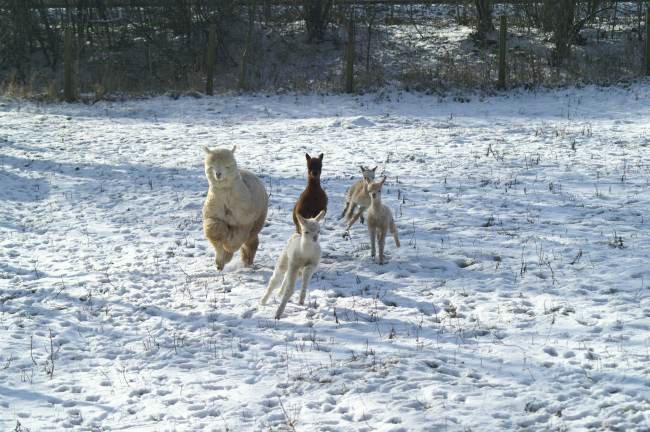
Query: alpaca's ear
x,y
319,217
374,169
234,148
307,157
206,150
362,168
320,156
301,220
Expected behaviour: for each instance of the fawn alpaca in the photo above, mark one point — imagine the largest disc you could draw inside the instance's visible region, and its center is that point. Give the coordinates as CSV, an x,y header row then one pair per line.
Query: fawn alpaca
x,y
302,254
380,219
235,208
358,195
313,199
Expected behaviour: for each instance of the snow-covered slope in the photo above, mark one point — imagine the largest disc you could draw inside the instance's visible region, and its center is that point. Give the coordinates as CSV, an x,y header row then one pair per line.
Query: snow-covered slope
x,y
518,301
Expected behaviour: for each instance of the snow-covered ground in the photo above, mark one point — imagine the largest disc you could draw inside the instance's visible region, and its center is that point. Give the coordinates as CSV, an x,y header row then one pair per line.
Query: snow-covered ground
x,y
518,301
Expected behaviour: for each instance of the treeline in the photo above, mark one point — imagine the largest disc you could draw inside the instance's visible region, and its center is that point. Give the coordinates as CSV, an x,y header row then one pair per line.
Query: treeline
x,y
164,41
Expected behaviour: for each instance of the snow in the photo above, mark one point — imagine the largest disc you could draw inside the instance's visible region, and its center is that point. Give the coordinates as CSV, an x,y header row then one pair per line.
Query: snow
x,y
518,301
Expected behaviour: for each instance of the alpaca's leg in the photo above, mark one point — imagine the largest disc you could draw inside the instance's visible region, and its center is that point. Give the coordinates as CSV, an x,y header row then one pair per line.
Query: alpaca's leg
x,y
295,217
345,209
298,275
276,278
382,241
218,251
284,284
223,257
215,232
349,214
307,272
353,220
287,289
237,235
249,249
357,216
393,229
371,231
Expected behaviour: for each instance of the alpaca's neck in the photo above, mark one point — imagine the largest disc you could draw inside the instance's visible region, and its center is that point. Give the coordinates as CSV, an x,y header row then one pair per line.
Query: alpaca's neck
x,y
313,182
307,247
375,203
306,241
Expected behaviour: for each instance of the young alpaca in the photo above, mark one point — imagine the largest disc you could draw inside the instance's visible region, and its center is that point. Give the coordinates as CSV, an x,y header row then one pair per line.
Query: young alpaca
x,y
313,199
302,254
235,208
380,219
358,195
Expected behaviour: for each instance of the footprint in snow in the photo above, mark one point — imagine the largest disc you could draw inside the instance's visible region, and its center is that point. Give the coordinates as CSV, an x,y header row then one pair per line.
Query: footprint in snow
x,y
550,351
248,313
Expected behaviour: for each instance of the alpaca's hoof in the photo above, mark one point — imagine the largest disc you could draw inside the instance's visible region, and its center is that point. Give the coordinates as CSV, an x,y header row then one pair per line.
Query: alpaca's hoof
x,y
278,316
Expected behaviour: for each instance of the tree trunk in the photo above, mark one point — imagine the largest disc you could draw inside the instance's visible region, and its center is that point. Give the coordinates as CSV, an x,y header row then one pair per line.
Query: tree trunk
x,y
548,14
484,13
563,31
317,14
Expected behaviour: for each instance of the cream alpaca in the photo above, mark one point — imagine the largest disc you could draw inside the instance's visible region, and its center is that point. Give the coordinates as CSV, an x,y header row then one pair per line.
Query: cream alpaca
x,y
302,254
234,211
380,219
358,195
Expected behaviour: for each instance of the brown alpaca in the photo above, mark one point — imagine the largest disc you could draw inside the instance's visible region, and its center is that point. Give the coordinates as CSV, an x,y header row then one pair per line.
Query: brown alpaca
x,y
313,199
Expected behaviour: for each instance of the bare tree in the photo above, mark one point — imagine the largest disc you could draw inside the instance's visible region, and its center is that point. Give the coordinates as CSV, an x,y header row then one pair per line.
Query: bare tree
x,y
317,16
562,14
484,13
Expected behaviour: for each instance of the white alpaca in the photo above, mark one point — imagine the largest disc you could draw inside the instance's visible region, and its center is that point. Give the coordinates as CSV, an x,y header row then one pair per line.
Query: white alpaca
x,y
380,219
302,254
358,195
235,209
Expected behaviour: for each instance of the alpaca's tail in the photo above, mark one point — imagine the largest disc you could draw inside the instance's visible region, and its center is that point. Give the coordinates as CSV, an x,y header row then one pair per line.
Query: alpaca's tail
x,y
393,229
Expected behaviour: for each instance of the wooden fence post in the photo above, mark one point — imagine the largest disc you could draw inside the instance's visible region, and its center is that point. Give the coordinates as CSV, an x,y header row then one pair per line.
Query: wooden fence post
x,y
503,32
210,57
647,42
68,89
349,65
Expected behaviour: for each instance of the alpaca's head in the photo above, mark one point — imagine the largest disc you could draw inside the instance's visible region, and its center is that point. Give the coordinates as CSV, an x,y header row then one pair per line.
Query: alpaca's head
x,y
220,166
314,166
368,174
374,188
310,228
